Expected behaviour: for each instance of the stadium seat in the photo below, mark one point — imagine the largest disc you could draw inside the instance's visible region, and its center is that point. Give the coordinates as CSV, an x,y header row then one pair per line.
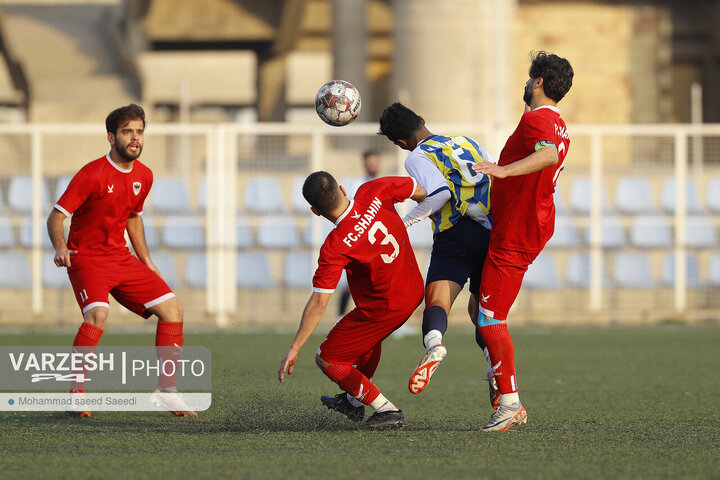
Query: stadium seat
x,y
298,270
713,195
7,238
243,233
20,194
184,232
560,208
15,271
667,199
612,231
297,201
277,233
700,232
152,235
714,271
253,271
263,195
165,263
52,275
651,232
692,271
542,274
202,194
632,270
580,196
325,229
61,185
566,234
2,202
578,271
195,270
633,196
26,234
421,235
170,195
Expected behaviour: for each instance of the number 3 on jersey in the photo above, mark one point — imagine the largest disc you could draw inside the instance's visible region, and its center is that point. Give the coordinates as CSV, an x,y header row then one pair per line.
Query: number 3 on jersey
x,y
388,238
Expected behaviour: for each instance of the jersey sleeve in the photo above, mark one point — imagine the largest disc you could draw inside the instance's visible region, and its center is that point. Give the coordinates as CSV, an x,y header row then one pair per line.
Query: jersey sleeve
x,y
329,270
79,189
538,132
422,169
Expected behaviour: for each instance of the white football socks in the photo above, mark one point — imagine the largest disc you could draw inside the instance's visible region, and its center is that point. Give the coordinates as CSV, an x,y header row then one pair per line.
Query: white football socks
x,y
382,404
509,398
432,339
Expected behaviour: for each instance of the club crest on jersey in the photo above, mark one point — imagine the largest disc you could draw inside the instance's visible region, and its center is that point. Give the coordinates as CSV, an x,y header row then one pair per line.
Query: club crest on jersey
x,y
136,188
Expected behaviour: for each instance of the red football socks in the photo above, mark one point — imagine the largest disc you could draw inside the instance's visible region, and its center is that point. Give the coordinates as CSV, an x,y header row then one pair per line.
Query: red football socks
x,y
502,355
85,342
353,382
168,345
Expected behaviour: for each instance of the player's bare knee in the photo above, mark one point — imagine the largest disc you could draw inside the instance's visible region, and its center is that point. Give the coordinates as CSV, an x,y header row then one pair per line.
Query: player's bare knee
x,y
322,364
96,316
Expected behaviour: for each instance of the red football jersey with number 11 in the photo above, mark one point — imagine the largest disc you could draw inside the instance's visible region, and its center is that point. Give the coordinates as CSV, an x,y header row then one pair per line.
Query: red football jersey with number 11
x,y
523,210
370,241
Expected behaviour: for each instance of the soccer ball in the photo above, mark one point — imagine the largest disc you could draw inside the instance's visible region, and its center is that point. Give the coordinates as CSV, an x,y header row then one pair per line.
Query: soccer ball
x,y
337,103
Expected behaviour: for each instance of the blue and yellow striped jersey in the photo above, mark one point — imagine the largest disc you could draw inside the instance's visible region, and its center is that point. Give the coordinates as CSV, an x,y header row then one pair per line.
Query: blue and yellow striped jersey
x,y
454,157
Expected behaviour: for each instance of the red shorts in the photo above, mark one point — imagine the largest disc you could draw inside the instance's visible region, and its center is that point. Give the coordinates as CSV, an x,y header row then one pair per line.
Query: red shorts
x,y
355,335
502,277
130,282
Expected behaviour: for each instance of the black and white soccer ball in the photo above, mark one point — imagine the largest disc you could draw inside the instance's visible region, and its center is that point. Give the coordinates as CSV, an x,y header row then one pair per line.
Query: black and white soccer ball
x,y
337,103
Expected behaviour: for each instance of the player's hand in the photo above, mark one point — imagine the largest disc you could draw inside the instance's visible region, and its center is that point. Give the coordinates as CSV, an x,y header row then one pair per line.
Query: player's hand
x,y
490,169
62,257
155,269
288,364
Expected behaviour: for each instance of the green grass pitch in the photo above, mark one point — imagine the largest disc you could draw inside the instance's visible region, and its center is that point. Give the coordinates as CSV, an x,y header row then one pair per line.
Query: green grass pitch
x,y
602,403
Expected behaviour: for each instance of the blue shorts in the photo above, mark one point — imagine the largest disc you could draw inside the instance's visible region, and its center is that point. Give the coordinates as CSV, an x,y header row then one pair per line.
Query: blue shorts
x,y
458,253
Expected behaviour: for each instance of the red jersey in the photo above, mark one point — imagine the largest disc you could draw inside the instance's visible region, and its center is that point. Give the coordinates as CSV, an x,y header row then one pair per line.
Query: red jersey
x,y
370,242
522,207
101,197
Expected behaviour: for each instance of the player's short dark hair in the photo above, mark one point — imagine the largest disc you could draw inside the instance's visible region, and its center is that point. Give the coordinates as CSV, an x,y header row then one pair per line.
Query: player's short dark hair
x,y
556,72
398,122
121,115
321,191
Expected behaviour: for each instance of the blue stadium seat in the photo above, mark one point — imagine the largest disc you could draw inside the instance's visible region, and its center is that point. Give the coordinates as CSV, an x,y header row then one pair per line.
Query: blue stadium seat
x,y
202,194
560,208
170,195
325,229
692,271
713,195
243,233
421,235
578,271
633,270
165,263
152,234
20,194
15,271
566,234
298,270
612,232
263,195
700,232
714,270
195,270
580,196
651,232
26,234
542,274
277,233
184,232
61,185
297,201
667,199
633,196
7,238
253,271
52,275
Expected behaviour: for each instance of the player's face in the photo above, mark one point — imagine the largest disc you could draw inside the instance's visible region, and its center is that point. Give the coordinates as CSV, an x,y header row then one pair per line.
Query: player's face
x,y
372,165
128,141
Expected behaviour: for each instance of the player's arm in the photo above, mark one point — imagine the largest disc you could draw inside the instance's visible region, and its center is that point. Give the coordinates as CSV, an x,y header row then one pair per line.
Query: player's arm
x,y
314,310
57,237
437,192
136,233
546,156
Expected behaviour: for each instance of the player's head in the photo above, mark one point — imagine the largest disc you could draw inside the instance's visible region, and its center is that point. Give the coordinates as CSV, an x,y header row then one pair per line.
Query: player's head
x,y
399,124
125,128
552,74
371,162
322,192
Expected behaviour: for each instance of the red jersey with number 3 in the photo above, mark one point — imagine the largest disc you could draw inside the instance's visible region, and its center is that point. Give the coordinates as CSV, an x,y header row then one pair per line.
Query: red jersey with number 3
x,y
100,198
370,242
522,207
